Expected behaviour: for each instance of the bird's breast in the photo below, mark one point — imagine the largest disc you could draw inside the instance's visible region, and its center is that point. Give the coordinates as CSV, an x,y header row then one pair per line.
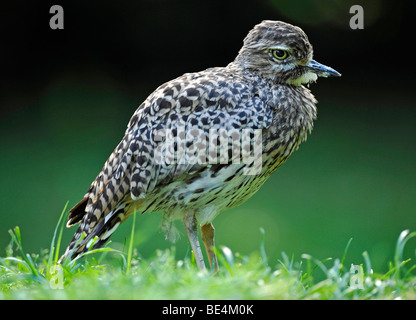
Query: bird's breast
x,y
294,111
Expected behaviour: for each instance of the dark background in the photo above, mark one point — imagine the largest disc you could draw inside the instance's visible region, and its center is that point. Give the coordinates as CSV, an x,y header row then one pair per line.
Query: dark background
x,y
67,95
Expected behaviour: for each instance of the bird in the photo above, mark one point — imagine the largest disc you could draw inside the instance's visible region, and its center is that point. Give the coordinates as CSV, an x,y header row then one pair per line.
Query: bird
x,y
260,101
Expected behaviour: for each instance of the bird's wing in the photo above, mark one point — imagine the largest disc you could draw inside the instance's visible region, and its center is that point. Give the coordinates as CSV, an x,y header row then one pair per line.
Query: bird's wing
x,y
193,101
187,109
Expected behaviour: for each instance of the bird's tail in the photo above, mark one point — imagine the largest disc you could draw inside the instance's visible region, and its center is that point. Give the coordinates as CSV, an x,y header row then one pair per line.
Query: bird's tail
x,y
86,238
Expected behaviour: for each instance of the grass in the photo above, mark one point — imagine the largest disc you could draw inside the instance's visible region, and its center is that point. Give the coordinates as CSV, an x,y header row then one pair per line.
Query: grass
x,y
111,274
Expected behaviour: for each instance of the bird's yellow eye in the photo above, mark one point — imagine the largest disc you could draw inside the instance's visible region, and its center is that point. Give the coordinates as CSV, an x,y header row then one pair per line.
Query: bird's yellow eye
x,y
279,54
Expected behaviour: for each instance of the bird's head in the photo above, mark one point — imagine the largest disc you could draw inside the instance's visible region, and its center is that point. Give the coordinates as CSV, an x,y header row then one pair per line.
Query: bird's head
x,y
281,52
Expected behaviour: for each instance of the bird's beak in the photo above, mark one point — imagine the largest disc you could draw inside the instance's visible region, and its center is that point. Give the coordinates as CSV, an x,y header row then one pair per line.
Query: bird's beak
x,y
321,70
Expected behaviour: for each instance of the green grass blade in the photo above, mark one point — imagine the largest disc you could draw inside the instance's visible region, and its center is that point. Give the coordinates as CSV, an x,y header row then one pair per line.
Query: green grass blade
x,y
368,268
225,258
344,255
15,234
16,260
130,249
404,236
67,262
228,255
262,248
59,225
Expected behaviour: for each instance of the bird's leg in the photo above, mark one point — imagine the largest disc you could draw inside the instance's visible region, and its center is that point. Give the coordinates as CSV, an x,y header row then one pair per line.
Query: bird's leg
x,y
190,223
208,232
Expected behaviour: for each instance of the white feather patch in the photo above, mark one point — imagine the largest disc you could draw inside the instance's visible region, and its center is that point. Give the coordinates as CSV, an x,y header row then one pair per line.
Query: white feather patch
x,y
109,232
303,79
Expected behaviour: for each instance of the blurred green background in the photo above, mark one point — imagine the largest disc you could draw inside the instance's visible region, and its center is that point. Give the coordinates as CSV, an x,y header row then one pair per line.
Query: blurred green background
x,y
66,97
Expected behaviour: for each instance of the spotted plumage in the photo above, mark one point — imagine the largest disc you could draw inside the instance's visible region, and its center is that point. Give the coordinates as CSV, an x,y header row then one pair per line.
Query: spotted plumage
x,y
260,93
